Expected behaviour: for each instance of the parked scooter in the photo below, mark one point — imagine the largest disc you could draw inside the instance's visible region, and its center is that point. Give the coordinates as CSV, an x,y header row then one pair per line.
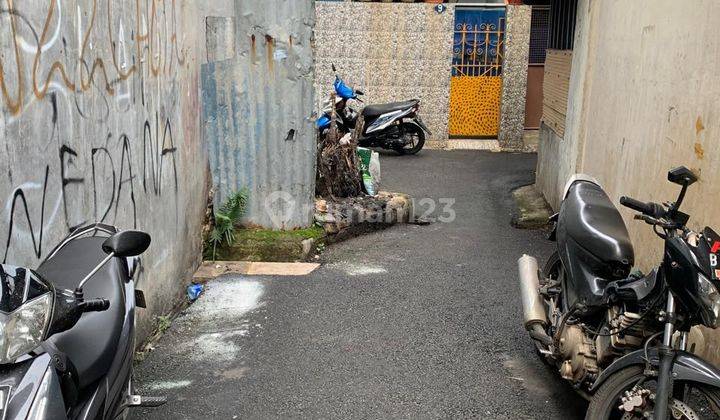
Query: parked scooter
x,y
64,355
394,126
621,337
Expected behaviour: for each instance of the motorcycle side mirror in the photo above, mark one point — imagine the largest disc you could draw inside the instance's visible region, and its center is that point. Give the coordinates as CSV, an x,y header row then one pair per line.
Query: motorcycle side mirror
x,y
128,243
682,176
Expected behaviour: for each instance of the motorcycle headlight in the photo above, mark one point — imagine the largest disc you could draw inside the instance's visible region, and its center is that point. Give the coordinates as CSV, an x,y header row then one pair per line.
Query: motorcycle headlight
x,y
710,297
23,329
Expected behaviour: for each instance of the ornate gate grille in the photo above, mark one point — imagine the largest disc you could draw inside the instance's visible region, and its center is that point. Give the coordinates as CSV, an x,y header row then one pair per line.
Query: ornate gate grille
x,y
478,49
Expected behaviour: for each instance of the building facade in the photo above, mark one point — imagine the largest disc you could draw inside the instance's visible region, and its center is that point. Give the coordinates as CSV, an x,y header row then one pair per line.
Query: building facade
x,y
468,64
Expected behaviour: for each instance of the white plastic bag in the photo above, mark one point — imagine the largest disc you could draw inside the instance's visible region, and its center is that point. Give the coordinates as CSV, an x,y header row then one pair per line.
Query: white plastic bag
x,y
374,169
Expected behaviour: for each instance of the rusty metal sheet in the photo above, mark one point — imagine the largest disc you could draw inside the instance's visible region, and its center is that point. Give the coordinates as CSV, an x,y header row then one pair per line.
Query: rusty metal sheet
x,y
257,113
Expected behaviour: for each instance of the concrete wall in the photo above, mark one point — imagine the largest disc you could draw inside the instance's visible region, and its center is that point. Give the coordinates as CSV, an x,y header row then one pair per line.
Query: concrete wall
x,y
258,111
393,52
99,121
558,156
644,98
515,69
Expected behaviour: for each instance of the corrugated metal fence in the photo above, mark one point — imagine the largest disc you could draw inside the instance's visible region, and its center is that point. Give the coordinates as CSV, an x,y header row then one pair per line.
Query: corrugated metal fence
x,y
258,110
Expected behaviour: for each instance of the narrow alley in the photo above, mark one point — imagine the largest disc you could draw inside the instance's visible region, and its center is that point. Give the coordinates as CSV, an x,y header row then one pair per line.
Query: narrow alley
x,y
413,321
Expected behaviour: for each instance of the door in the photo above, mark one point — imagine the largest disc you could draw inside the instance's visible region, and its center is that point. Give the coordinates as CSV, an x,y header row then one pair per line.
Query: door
x,y
539,32
476,80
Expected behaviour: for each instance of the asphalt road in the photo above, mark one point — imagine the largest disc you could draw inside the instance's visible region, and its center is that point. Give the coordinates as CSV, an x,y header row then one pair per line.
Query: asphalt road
x,y
409,322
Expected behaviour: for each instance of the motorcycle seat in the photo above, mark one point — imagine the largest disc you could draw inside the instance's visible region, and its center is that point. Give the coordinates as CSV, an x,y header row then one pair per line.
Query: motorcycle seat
x,y
92,343
377,110
594,223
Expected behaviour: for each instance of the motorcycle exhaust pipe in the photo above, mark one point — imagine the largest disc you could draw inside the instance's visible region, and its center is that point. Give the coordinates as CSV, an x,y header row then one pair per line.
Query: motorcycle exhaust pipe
x,y
532,303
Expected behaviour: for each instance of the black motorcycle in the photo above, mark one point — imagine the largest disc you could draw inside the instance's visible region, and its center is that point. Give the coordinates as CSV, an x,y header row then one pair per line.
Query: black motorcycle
x,y
620,336
394,126
64,355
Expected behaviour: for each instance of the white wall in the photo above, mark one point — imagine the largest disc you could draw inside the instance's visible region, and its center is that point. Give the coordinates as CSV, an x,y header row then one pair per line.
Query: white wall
x,y
643,99
653,104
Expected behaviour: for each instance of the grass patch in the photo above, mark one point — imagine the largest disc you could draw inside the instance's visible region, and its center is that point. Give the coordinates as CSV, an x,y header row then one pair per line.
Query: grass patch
x,y
268,245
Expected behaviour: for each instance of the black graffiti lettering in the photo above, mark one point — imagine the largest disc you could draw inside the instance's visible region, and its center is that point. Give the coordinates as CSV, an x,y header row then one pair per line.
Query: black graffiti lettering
x,y
66,151
154,156
148,154
36,242
96,151
126,157
81,91
167,135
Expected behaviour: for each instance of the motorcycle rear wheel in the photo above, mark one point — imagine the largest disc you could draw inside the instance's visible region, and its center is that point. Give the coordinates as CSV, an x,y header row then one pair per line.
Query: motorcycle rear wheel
x,y
699,400
417,139
552,270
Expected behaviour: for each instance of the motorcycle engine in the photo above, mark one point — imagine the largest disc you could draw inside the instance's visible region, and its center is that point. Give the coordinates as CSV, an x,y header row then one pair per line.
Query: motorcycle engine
x,y
394,136
583,355
631,334
578,352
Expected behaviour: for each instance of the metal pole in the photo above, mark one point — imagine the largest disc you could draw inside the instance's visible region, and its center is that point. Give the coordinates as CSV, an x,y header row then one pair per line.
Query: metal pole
x,y
669,325
95,270
684,340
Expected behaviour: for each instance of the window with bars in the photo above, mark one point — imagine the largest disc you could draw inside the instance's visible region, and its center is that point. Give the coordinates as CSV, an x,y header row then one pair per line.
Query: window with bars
x,y
562,24
539,34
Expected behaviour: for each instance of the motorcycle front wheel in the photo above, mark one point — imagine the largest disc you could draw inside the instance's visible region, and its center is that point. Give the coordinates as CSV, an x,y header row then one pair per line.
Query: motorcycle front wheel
x,y
629,395
413,139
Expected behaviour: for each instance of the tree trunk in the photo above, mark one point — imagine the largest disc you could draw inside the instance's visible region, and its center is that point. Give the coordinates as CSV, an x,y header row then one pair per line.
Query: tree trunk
x,y
338,172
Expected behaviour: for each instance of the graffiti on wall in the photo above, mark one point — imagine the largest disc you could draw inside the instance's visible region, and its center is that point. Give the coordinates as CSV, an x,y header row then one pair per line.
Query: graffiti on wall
x,y
91,93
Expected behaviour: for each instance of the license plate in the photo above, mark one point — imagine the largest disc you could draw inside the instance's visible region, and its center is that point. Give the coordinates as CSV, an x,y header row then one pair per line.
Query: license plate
x,y
713,241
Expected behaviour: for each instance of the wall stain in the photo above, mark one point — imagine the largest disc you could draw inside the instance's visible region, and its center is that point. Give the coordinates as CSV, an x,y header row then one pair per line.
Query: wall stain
x,y
253,49
270,44
671,110
699,151
699,125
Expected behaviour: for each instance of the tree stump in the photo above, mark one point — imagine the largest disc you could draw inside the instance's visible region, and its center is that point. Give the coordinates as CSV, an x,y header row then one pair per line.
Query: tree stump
x,y
338,172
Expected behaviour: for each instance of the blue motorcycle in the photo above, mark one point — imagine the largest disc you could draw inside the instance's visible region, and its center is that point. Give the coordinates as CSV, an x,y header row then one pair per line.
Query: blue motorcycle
x,y
393,126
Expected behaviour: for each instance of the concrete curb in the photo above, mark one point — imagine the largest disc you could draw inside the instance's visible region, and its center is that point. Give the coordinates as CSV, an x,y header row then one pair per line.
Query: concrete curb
x,y
532,211
491,145
212,269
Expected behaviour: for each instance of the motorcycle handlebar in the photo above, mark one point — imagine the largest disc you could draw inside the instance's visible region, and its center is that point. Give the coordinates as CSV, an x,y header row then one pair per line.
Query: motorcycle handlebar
x,y
650,209
95,305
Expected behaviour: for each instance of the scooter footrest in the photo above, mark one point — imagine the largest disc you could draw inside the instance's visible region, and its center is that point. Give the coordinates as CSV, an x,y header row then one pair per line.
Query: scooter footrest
x,y
143,401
